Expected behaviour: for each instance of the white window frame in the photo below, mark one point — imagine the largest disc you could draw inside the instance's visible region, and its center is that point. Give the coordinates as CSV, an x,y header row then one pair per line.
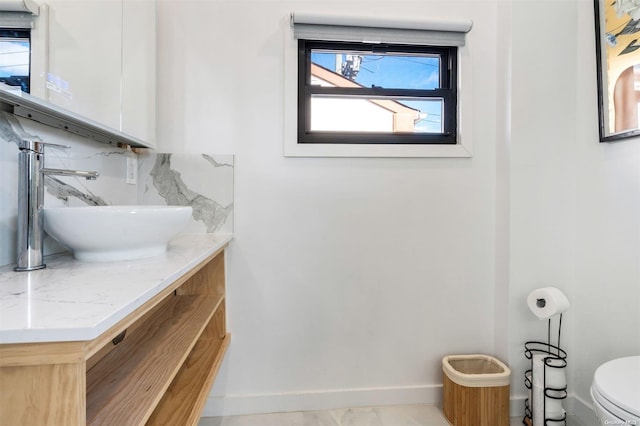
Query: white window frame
x,y
462,149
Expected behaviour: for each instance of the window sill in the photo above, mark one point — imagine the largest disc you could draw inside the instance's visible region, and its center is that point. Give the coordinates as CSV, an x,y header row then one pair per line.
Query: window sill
x,y
294,149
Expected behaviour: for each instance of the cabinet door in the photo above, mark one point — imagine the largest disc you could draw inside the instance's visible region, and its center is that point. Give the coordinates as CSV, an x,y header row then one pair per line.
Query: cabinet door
x,y
84,58
101,62
139,69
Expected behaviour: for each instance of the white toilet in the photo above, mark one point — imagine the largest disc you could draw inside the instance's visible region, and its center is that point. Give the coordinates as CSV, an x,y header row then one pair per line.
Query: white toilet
x,y
616,392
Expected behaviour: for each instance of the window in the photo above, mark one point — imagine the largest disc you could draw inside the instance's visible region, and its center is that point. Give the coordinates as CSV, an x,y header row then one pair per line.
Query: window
x,y
15,52
374,86
376,93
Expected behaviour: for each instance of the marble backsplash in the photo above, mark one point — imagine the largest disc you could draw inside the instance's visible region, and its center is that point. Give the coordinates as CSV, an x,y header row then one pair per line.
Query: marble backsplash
x,y
203,181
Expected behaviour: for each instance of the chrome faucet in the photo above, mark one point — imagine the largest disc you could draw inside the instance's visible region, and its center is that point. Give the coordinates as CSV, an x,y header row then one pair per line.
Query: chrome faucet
x,y
31,173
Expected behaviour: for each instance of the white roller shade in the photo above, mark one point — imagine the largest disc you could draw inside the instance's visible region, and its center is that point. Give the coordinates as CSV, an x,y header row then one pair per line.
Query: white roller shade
x,y
378,30
18,13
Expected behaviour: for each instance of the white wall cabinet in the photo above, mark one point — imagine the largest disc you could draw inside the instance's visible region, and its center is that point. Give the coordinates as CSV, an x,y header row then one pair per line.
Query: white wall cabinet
x,y
101,61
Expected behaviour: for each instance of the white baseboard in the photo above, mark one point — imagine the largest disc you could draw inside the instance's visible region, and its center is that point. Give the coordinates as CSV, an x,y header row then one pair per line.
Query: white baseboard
x,y
516,406
582,410
231,405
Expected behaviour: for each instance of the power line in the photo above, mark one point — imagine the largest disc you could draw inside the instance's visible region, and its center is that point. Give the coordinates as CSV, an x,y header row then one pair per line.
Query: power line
x,y
15,52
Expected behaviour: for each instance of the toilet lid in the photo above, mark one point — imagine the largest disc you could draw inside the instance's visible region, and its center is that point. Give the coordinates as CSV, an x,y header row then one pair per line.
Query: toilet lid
x,y
619,382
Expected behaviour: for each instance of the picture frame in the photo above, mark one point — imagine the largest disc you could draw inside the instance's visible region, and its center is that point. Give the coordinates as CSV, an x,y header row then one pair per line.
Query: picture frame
x,y
617,25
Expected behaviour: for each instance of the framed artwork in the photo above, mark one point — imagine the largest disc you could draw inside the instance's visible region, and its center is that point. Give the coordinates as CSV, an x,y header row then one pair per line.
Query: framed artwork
x,y
617,25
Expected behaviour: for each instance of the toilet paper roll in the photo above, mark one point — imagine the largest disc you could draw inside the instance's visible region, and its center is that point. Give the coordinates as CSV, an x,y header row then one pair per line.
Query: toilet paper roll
x,y
544,407
529,378
546,302
552,406
537,407
555,415
555,377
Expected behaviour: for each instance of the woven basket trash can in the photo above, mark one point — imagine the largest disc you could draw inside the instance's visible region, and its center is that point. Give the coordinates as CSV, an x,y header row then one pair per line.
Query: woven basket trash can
x,y
475,390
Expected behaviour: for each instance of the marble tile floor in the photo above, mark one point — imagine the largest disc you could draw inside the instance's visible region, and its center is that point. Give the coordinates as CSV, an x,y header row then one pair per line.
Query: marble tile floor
x,y
405,415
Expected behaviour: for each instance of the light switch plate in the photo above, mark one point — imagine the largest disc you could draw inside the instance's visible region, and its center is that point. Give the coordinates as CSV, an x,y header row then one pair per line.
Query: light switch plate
x,y
132,169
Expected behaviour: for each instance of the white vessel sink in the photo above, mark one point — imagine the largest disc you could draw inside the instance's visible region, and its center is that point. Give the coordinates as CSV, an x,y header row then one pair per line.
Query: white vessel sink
x,y
113,233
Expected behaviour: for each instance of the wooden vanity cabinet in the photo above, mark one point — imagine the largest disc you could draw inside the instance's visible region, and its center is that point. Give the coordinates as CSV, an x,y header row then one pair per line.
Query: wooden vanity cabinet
x,y
156,366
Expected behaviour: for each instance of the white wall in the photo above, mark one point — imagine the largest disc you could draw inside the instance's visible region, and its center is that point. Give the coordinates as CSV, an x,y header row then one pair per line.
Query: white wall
x,y
575,203
607,232
349,279
542,176
354,276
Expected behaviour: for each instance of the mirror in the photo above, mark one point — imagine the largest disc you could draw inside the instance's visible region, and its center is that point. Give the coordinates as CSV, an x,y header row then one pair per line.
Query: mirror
x,y
96,58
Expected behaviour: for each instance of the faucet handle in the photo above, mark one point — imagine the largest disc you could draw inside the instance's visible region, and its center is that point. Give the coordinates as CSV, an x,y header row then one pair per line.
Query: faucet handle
x,y
37,145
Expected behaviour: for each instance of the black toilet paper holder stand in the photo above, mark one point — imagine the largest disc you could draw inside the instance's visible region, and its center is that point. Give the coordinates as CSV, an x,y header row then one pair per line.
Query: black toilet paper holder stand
x,y
554,357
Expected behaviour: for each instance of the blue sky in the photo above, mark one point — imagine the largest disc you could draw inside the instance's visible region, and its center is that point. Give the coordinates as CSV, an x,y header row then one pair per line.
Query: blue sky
x,y
400,72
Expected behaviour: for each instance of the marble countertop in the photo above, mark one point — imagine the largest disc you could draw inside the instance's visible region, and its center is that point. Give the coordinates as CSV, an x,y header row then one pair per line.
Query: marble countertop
x,y
75,301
